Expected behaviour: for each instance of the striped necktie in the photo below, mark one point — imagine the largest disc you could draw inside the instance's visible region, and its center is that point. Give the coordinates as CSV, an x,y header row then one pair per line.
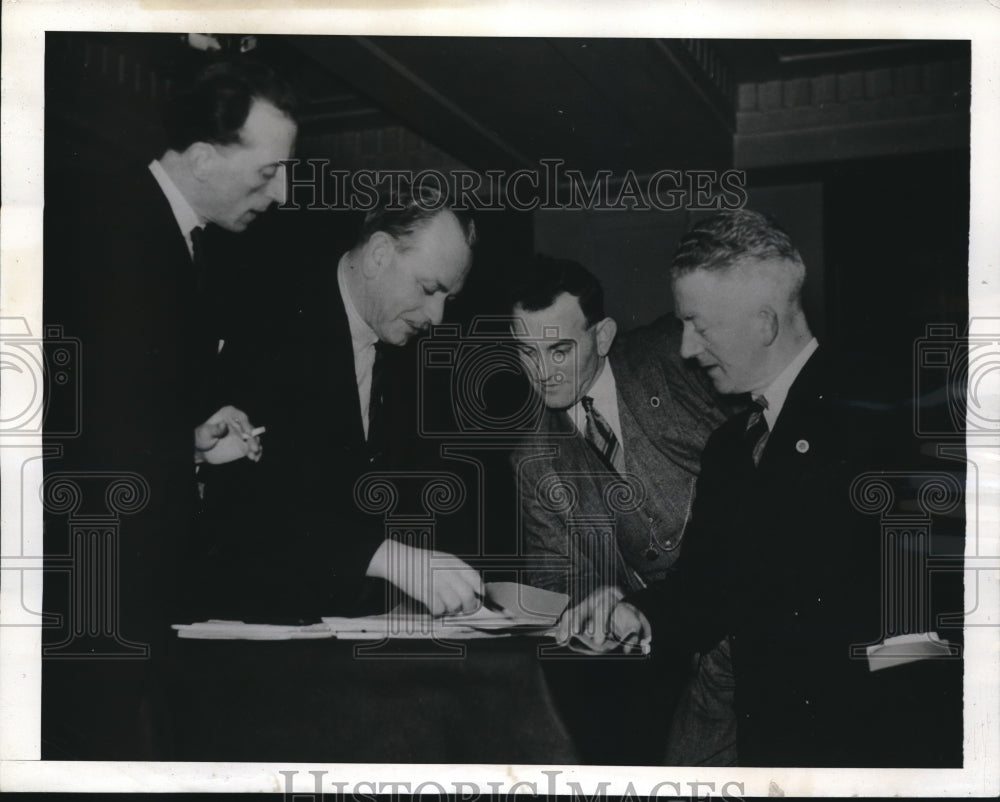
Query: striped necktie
x,y
756,433
602,437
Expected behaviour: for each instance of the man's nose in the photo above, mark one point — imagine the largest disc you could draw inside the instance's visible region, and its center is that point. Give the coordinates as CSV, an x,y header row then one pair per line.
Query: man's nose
x,y
275,189
435,307
691,344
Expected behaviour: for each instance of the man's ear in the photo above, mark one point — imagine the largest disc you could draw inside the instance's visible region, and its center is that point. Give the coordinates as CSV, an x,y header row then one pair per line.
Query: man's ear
x,y
378,253
201,156
606,331
769,326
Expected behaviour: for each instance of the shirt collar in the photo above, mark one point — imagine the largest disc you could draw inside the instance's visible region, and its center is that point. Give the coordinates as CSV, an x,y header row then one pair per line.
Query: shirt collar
x,y
362,335
777,391
186,217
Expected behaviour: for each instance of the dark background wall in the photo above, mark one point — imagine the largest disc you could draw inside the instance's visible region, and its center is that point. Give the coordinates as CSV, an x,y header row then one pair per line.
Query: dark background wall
x,y
860,149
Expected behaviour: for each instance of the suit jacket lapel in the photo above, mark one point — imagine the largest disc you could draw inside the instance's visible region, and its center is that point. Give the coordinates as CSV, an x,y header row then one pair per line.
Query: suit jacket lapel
x,y
638,406
798,434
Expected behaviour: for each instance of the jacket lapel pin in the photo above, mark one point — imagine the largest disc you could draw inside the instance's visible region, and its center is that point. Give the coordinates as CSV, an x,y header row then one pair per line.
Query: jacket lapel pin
x,y
802,446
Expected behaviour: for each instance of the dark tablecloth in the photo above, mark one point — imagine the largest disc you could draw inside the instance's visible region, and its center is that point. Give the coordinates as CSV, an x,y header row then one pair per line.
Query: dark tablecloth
x,y
319,701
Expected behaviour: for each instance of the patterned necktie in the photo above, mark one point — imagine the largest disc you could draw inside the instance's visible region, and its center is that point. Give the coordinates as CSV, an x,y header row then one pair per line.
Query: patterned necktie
x,y
756,433
602,437
376,412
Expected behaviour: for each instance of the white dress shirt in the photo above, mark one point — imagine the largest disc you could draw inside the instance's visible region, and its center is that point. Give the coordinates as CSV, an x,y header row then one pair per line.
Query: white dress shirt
x,y
363,339
777,391
604,391
186,217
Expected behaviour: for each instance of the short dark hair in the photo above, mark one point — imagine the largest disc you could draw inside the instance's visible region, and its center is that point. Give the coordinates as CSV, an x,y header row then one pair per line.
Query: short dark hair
x,y
214,106
402,208
718,242
547,278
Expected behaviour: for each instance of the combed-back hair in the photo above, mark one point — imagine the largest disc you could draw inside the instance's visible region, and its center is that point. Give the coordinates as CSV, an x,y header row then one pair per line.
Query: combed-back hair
x,y
719,241
214,106
751,239
548,278
402,209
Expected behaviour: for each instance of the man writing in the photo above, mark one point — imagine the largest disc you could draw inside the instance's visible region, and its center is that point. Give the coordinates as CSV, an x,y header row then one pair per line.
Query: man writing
x,y
338,394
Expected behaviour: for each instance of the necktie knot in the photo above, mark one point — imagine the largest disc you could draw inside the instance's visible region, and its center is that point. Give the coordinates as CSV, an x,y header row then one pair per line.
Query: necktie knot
x,y
601,436
197,235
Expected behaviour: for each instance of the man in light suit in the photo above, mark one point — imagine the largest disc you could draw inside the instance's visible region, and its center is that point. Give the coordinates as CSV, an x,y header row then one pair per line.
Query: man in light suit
x,y
125,273
628,502
777,556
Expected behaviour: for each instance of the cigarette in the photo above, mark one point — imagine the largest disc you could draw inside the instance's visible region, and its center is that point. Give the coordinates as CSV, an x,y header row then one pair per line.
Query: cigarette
x,y
257,431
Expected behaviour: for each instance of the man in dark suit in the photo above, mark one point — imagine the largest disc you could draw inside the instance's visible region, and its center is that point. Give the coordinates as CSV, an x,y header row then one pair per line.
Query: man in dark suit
x,y
126,273
288,537
777,557
605,491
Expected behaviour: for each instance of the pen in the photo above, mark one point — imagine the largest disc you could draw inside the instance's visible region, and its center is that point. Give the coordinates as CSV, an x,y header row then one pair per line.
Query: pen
x,y
490,604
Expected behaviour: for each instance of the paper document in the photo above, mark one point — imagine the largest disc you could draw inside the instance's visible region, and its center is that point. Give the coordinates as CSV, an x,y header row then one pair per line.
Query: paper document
x,y
237,630
904,649
523,610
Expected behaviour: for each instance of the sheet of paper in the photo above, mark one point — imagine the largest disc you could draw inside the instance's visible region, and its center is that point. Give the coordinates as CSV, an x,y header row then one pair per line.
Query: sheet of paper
x,y
527,604
238,630
904,649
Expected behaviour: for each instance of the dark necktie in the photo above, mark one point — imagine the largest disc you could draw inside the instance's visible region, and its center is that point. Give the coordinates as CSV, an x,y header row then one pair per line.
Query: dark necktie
x,y
756,433
602,437
202,332
201,257
376,408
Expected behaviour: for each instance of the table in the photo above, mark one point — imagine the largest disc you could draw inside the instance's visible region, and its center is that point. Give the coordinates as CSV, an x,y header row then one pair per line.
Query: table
x,y
317,701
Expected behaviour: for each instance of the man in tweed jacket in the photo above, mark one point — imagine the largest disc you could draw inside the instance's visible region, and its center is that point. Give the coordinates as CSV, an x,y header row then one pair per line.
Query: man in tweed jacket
x,y
584,520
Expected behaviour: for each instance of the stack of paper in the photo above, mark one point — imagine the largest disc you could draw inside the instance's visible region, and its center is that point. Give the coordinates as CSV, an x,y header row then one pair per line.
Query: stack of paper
x,y
517,609
237,630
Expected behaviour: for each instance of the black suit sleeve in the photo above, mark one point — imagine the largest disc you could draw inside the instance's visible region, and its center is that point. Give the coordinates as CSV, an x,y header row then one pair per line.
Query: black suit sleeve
x,y
687,609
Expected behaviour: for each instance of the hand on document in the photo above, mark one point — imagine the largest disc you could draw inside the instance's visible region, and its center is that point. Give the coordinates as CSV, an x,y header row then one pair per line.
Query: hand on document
x,y
442,582
603,622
